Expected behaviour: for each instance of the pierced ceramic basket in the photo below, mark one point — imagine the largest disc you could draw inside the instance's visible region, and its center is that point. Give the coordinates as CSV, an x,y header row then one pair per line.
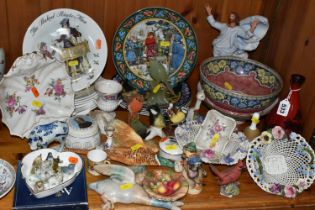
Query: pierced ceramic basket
x,y
64,156
280,164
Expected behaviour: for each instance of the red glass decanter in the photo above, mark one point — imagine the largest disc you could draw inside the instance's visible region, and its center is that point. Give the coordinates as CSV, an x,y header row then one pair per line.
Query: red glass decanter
x,y
287,113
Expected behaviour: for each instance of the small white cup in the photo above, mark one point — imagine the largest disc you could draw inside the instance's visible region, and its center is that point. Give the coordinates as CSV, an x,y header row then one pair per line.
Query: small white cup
x,y
96,157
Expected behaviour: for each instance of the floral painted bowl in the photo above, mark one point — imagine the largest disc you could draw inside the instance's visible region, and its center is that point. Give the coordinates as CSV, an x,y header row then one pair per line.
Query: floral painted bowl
x,y
165,184
239,85
280,164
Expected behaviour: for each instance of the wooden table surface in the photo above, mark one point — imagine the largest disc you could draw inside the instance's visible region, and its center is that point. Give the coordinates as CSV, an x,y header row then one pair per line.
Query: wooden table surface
x,y
251,196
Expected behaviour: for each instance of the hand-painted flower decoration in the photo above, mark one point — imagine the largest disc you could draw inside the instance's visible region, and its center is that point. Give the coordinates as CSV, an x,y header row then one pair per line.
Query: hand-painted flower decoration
x,y
30,82
208,154
56,88
13,104
277,132
275,188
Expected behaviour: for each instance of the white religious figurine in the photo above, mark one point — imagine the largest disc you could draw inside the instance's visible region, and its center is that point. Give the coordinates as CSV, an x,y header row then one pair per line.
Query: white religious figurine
x,y
200,97
236,37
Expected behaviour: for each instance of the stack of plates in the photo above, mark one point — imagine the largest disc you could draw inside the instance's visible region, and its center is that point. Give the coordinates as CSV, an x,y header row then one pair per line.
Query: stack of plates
x,y
85,101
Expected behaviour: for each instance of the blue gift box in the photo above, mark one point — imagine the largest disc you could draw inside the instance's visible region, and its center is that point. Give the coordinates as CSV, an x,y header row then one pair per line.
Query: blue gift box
x,y
72,197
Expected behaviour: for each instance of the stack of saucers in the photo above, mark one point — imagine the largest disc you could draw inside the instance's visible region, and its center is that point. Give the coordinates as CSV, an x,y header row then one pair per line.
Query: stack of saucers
x,y
85,101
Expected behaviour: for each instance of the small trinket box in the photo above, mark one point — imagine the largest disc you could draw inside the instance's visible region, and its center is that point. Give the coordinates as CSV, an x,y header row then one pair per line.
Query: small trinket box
x,y
83,133
169,149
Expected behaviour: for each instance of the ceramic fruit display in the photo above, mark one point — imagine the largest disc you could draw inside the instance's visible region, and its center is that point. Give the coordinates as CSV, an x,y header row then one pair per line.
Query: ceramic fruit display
x,y
36,91
47,171
239,86
165,184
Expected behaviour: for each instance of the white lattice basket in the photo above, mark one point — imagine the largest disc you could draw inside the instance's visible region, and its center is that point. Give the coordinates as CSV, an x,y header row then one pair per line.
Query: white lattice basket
x,y
281,165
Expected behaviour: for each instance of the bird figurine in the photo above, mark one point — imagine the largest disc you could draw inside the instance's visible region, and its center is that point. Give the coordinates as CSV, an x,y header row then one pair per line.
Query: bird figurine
x,y
159,75
157,122
121,187
229,175
134,103
176,116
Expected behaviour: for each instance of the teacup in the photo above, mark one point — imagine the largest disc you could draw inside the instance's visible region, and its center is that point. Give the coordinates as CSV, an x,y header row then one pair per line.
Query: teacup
x,y
107,105
108,89
96,157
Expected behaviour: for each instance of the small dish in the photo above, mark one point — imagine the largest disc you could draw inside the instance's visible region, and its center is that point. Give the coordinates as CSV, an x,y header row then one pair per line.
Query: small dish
x,y
215,131
170,149
7,177
37,163
280,164
165,184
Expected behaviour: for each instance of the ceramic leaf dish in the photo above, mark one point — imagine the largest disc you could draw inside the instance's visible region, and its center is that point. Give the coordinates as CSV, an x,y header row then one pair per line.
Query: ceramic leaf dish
x,y
47,171
36,91
280,164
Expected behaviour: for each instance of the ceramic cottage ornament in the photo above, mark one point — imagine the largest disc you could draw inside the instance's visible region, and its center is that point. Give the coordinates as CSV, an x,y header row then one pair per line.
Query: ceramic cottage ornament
x,y
121,187
36,91
237,37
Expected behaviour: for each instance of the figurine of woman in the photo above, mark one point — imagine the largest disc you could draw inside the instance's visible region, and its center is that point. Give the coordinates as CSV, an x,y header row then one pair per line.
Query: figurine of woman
x,y
236,37
192,168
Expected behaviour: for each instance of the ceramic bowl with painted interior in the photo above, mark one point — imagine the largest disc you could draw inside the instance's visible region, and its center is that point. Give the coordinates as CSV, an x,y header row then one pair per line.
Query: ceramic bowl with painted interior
x,y
170,149
108,105
165,184
239,85
83,133
108,89
47,171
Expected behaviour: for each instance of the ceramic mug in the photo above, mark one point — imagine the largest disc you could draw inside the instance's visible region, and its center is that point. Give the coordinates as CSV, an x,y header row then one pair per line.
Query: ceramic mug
x,y
96,157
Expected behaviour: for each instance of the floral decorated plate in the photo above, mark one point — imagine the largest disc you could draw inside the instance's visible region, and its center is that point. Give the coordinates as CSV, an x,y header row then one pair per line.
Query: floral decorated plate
x,y
183,98
154,33
7,177
36,90
71,37
165,184
186,132
280,164
47,171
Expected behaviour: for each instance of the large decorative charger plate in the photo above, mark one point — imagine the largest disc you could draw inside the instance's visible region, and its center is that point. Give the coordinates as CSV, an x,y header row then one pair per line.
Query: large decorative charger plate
x,y
36,90
7,177
154,33
72,37
183,99
281,165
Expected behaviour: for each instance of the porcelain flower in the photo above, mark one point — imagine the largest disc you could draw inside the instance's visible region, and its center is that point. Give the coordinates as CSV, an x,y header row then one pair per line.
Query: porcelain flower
x,y
289,192
277,132
266,137
275,188
302,185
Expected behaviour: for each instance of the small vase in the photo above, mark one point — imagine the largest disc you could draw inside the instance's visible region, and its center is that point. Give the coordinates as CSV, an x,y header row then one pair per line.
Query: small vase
x,y
288,113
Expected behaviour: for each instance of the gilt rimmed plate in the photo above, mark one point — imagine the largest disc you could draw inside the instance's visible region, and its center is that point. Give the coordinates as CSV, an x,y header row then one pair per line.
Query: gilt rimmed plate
x,y
154,33
7,177
280,164
65,34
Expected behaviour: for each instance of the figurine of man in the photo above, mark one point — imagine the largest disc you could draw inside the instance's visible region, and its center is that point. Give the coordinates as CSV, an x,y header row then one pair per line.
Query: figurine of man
x,y
234,40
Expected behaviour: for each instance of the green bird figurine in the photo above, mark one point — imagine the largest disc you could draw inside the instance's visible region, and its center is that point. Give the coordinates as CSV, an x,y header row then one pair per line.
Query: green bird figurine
x,y
159,74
